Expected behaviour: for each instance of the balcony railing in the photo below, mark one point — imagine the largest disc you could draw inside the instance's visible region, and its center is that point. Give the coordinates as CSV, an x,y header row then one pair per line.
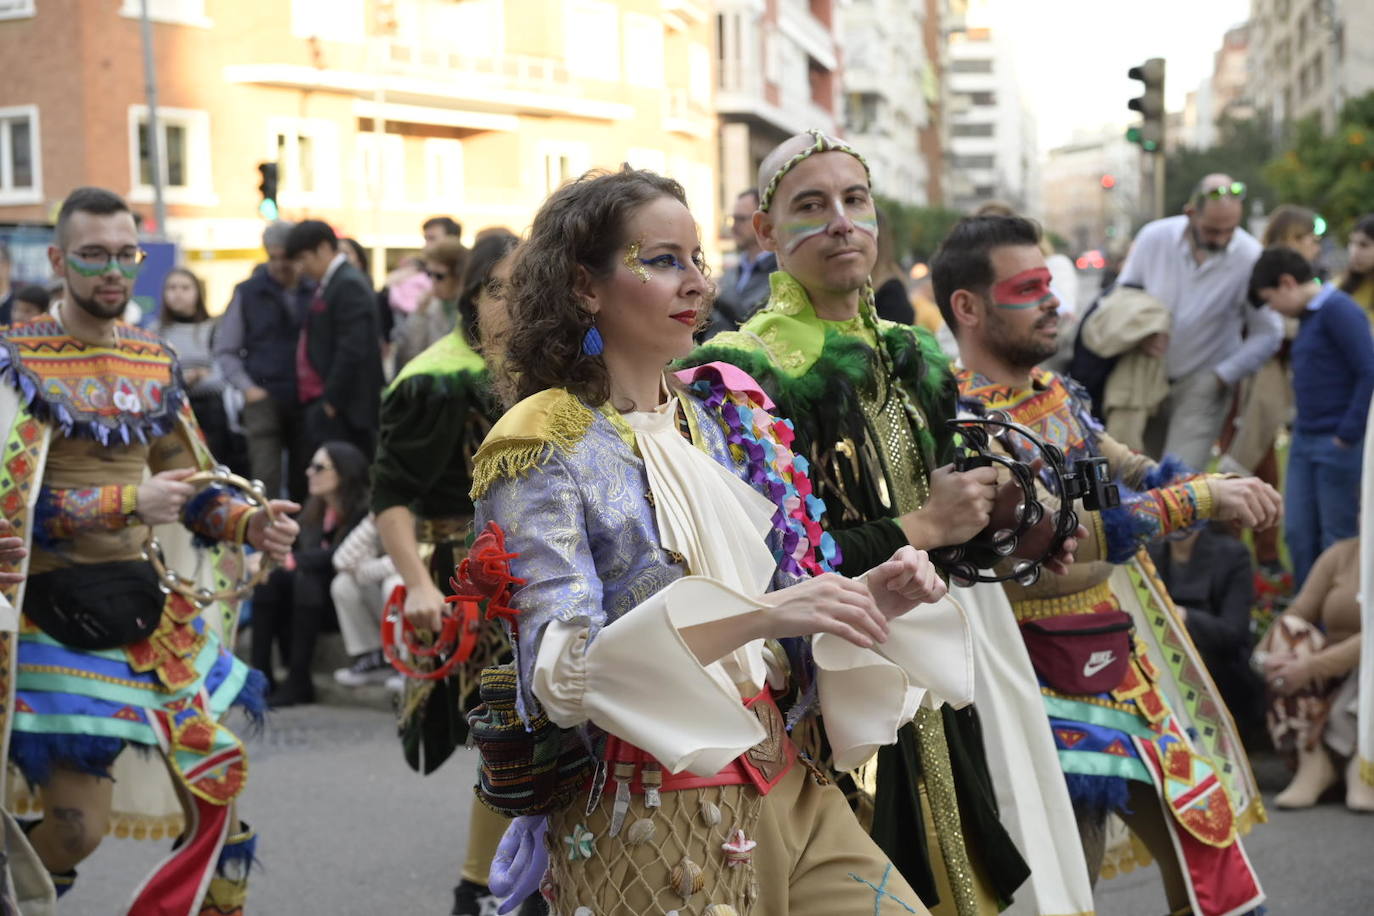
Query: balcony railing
x,y
515,71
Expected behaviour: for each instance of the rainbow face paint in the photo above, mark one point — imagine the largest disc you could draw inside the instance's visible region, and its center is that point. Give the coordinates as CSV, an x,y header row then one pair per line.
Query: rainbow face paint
x,y
635,263
92,264
1027,290
797,231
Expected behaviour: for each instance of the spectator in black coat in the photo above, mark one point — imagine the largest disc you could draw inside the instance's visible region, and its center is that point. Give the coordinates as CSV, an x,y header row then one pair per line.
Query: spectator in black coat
x,y
255,349
1211,579
293,605
339,357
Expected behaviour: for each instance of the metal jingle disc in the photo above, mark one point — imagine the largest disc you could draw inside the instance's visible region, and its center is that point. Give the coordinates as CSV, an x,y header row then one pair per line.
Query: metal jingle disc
x,y
1004,542
1035,511
963,575
1026,574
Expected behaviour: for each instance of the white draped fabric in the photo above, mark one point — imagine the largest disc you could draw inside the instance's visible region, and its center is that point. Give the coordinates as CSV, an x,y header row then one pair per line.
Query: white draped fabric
x,y
1031,793
640,681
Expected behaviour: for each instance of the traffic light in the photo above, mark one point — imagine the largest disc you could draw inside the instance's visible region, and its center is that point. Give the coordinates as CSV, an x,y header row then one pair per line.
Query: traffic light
x,y
1150,103
268,208
1108,182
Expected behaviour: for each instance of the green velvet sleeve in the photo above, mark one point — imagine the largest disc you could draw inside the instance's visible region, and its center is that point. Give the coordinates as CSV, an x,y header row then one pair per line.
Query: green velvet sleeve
x,y
418,460
863,547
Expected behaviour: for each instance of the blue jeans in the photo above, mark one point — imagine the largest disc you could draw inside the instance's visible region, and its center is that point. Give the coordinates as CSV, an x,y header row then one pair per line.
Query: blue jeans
x,y
1322,504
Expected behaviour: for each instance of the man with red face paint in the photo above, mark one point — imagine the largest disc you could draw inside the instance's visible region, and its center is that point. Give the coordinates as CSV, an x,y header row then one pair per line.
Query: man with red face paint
x,y
1176,773
869,399
1198,264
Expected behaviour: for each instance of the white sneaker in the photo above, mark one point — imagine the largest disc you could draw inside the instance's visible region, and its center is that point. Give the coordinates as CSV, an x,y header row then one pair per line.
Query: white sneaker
x,y
368,668
396,683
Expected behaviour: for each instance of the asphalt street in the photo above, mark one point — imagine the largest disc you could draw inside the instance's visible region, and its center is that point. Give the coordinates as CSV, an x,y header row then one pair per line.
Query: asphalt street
x,y
348,830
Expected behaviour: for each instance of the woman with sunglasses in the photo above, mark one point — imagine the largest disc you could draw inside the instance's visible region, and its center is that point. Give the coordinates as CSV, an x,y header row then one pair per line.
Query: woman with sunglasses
x,y
445,262
663,539
294,605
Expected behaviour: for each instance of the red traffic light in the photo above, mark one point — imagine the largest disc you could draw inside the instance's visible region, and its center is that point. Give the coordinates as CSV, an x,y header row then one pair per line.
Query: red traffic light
x,y
1108,182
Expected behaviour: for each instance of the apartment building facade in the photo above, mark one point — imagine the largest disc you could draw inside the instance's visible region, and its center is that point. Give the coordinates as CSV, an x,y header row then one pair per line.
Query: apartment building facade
x,y
992,142
1307,57
379,113
778,74
892,92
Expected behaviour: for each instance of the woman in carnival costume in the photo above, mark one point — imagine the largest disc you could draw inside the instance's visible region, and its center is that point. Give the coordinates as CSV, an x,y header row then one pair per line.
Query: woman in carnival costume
x,y
663,543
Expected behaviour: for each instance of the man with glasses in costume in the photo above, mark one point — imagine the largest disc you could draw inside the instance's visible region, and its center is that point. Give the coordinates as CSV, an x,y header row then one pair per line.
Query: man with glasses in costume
x,y
869,400
102,658
1198,264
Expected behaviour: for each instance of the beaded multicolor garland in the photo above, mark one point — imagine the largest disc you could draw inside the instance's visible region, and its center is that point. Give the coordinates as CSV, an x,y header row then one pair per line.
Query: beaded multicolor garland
x,y
763,443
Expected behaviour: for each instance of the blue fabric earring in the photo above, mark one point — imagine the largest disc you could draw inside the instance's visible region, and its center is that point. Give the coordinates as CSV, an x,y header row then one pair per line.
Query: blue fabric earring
x,y
592,344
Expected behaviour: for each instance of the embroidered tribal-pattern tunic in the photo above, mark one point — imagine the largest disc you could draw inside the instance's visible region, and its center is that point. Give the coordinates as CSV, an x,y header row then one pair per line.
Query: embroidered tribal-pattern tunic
x,y
90,419
623,534
1130,732
869,399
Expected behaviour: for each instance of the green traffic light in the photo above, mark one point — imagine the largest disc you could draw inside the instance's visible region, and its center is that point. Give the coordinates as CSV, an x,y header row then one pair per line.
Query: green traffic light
x,y
1149,146
1133,134
268,209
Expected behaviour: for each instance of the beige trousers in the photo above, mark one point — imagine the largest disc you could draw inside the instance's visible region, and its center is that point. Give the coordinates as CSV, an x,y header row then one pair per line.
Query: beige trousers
x,y
812,857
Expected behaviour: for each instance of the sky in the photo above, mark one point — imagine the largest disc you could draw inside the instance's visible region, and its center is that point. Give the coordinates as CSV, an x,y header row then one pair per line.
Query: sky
x,y
1072,55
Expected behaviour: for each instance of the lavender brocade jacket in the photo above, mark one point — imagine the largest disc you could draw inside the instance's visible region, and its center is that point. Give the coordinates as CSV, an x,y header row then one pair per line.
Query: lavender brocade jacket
x,y
586,536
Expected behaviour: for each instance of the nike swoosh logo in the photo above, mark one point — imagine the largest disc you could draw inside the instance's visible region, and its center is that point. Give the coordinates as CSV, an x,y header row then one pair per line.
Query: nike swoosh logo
x,y
1096,664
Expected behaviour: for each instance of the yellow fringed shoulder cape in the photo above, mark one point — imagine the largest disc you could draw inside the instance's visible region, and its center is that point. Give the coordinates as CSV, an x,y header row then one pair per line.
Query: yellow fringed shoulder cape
x,y
527,435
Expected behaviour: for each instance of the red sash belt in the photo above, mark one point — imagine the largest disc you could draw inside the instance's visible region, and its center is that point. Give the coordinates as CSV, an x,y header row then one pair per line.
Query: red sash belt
x,y
762,766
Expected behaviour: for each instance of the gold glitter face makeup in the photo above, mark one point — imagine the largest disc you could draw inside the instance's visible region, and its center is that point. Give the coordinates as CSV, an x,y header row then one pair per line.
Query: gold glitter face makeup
x,y
633,262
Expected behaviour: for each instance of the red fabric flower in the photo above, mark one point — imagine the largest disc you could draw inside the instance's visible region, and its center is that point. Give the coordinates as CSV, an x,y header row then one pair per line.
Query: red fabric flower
x,y
484,574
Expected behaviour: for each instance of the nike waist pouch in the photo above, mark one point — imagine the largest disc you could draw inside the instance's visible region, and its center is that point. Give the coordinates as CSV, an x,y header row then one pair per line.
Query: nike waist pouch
x,y
1080,653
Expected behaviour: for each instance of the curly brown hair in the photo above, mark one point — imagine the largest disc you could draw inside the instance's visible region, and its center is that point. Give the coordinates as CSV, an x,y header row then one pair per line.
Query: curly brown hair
x,y
581,225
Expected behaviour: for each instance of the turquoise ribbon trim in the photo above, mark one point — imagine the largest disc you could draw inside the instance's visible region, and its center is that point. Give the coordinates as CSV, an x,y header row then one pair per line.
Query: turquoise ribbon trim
x,y
119,693
1093,714
1094,763
98,726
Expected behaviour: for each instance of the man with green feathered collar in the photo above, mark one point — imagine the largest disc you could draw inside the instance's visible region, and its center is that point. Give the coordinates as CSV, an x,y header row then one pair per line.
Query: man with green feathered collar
x,y
869,399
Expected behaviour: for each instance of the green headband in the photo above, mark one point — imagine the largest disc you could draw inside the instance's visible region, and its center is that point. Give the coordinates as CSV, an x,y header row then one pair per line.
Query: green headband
x,y
823,144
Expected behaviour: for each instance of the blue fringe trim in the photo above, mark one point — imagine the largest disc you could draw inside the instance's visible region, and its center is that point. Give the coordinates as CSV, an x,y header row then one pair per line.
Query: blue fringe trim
x,y
243,853
197,507
36,754
1098,793
63,882
252,699
1126,532
129,428
1166,472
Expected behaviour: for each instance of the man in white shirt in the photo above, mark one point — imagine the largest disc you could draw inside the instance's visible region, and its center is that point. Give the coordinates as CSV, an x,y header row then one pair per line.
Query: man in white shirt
x,y
1198,264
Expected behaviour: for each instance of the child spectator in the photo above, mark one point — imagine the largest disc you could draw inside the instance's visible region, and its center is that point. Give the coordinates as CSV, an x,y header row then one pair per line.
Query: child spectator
x,y
1333,377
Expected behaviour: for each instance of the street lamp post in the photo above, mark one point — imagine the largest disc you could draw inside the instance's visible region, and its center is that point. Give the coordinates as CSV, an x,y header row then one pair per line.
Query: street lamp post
x,y
153,132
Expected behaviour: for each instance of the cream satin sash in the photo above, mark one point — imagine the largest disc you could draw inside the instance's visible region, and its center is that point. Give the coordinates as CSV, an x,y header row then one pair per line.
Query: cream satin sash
x,y
715,520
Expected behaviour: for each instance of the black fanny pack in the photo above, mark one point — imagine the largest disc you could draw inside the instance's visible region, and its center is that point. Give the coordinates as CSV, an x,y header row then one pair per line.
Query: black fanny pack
x,y
96,605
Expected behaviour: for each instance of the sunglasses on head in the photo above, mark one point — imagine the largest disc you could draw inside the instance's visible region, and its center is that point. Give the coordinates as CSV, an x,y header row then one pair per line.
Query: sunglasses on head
x,y
1234,189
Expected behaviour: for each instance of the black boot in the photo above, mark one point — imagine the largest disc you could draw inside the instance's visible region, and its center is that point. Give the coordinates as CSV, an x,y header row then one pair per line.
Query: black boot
x,y
472,899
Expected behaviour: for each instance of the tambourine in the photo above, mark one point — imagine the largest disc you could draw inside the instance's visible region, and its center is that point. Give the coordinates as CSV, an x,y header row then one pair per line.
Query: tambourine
x,y
1088,479
172,581
455,641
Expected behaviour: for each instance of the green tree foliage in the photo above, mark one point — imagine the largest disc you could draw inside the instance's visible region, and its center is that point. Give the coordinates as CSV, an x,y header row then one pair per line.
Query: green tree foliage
x,y
917,230
1244,147
1332,173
